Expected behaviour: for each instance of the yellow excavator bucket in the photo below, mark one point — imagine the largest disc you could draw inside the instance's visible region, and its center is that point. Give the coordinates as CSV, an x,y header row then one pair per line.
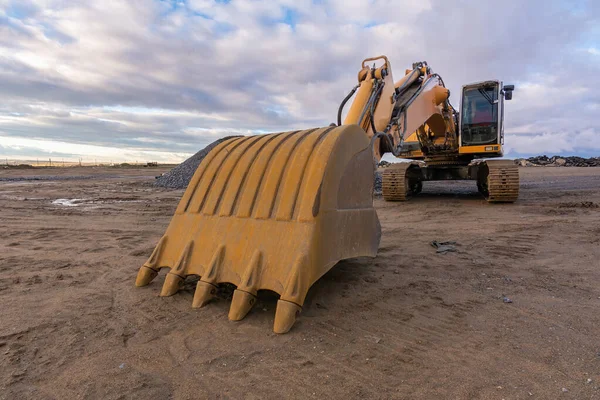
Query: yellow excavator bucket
x,y
271,212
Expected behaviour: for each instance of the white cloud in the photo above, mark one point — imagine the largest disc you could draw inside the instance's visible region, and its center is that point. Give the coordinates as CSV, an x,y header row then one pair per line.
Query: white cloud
x,y
21,148
557,142
594,51
151,75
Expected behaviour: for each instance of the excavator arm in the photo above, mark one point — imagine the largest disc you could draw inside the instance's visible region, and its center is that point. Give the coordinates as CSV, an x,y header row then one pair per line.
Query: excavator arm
x,y
390,112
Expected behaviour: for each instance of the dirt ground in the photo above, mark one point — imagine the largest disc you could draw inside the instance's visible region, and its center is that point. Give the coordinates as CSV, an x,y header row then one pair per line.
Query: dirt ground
x,y
409,324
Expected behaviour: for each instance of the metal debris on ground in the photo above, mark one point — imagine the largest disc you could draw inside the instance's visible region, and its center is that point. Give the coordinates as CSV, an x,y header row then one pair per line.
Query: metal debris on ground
x,y
506,299
444,247
375,339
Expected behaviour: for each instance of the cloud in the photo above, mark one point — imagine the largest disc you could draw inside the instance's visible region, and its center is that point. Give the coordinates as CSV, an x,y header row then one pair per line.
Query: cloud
x,y
564,143
29,149
171,75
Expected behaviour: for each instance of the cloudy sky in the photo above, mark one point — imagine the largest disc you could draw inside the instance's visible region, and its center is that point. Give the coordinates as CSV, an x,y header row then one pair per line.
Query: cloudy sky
x,y
156,80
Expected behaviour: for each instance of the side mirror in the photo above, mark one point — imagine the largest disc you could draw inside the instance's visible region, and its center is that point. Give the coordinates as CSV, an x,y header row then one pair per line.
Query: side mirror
x,y
508,91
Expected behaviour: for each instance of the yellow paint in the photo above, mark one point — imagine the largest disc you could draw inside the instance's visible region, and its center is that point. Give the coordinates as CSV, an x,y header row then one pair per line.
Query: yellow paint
x,y
496,149
271,212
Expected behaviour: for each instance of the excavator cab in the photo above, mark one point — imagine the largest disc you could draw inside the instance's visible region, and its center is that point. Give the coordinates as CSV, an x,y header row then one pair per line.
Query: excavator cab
x,y
481,117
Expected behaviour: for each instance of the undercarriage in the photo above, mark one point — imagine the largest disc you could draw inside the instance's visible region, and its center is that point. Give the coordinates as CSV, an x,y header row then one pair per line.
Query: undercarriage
x,y
497,180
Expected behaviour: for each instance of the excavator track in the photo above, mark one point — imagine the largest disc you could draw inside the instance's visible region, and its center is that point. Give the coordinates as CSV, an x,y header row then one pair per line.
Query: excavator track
x,y
396,185
502,182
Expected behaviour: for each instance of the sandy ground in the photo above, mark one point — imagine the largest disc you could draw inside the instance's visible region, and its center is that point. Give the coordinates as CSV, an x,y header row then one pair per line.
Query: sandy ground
x,y
409,324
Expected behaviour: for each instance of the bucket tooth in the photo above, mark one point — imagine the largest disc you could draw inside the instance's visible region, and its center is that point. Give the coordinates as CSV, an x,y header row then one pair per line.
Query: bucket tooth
x,y
156,253
182,264
212,273
251,276
145,276
149,270
296,285
172,284
285,316
244,297
205,291
241,304
206,288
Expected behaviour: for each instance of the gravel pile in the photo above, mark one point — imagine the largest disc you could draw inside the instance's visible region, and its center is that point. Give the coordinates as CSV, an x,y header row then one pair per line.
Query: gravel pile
x,y
180,176
558,161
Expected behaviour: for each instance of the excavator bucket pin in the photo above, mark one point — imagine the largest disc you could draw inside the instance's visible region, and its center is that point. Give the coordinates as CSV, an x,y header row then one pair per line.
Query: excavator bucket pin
x,y
271,212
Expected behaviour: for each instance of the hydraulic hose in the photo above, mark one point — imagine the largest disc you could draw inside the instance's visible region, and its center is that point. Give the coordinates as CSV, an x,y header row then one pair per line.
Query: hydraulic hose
x,y
372,108
341,108
388,140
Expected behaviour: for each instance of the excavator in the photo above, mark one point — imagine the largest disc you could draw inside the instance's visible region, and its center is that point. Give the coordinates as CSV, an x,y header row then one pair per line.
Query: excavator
x,y
277,211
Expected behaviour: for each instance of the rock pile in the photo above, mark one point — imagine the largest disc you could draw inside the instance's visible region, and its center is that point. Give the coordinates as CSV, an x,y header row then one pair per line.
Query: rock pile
x,y
558,161
377,183
180,176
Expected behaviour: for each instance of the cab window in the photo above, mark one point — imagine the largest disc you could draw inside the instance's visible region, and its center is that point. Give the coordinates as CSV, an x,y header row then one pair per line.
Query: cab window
x,y
480,115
